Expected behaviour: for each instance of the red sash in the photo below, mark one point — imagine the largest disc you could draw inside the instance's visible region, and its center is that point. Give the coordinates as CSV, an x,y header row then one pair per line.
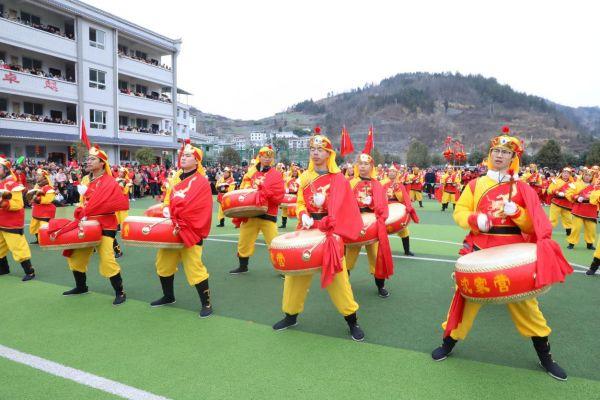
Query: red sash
x,y
562,201
585,210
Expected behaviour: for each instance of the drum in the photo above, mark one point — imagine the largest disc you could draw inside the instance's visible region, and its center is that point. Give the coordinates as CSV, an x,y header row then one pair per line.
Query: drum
x,y
87,234
300,252
501,274
154,211
291,211
288,199
151,232
242,204
397,220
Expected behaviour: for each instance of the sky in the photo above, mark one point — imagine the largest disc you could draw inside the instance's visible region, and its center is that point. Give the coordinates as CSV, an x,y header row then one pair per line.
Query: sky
x,y
251,59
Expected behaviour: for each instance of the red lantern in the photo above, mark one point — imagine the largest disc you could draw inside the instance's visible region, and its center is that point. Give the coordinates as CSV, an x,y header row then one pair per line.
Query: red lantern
x,y
37,150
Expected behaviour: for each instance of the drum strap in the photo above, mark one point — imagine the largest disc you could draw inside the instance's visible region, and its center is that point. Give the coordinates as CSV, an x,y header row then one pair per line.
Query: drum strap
x,y
268,217
504,230
317,216
109,233
16,231
42,219
365,210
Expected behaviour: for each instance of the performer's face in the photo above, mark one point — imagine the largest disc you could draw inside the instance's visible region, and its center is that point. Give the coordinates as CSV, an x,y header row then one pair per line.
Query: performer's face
x,y
501,158
392,174
319,156
95,164
565,175
188,162
587,178
265,160
364,168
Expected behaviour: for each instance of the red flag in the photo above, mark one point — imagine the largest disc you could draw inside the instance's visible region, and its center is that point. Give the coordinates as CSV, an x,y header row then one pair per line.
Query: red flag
x,y
346,146
83,134
369,142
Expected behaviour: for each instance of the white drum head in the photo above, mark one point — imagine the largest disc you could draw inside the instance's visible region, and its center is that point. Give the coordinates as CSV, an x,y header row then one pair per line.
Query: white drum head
x,y
497,258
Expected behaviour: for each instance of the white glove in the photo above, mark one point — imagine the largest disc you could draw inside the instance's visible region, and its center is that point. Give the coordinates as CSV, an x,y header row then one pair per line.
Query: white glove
x,y
319,199
81,189
561,194
166,212
580,199
307,221
367,200
510,208
483,222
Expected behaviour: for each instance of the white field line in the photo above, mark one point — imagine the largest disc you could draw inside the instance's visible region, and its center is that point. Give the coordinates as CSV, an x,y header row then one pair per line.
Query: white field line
x,y
76,375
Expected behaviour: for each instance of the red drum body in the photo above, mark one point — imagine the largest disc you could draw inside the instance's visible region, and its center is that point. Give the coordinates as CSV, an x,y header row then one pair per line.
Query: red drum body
x,y
501,274
87,234
300,252
288,199
396,221
291,211
154,211
242,204
151,232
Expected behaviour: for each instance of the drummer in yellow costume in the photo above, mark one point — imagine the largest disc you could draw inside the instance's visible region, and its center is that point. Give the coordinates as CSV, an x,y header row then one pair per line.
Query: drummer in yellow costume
x,y
269,183
560,206
225,184
123,181
450,182
585,197
495,218
291,183
12,222
363,186
188,203
416,180
315,204
41,198
395,194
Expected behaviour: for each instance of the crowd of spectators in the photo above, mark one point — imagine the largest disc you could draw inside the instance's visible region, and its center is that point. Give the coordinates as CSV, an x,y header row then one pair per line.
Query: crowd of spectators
x,y
35,118
146,60
28,21
35,71
151,96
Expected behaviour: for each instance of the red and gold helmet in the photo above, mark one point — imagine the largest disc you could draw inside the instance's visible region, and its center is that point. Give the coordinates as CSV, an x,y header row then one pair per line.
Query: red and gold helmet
x,y
508,142
322,142
95,151
187,148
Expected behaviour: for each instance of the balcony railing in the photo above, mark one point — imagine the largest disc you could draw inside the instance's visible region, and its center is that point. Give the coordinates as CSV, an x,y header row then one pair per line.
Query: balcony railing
x,y
17,33
28,84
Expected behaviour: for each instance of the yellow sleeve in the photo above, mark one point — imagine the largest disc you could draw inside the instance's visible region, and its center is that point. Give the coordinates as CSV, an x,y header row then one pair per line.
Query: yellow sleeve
x,y
595,197
354,182
465,206
48,197
16,202
300,203
572,192
231,187
523,221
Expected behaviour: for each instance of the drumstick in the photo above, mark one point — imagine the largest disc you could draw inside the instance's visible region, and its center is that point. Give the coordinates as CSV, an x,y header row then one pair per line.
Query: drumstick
x,y
511,183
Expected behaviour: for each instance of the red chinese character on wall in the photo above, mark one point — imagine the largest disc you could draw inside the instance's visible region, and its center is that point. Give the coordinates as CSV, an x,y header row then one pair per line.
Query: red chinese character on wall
x,y
51,85
11,77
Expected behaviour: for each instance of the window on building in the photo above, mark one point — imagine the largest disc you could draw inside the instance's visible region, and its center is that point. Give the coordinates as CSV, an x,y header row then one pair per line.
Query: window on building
x,y
33,108
124,155
141,123
36,151
5,148
155,128
184,114
97,79
178,111
3,104
97,119
123,120
56,114
3,56
71,112
141,54
97,38
141,89
30,18
123,85
31,63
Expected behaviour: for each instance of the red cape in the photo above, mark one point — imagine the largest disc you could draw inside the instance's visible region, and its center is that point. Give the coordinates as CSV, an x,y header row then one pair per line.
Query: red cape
x,y
192,211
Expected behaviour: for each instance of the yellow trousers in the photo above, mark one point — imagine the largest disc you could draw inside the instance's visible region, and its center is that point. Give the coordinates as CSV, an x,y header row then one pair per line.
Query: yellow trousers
x,y
35,225
526,316
249,231
295,289
16,244
589,230
416,195
564,214
404,233
79,260
167,261
448,197
352,253
121,215
220,214
284,212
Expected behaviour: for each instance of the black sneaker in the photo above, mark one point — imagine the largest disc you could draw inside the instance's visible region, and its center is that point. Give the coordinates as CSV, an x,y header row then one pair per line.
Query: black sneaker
x,y
590,246
357,333
76,291
590,272
206,311
239,270
554,370
163,301
28,277
442,352
571,246
118,254
119,299
409,254
383,293
287,322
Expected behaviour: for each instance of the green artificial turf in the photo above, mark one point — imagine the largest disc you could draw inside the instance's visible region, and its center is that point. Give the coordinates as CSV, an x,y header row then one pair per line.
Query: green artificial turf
x,y
237,355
